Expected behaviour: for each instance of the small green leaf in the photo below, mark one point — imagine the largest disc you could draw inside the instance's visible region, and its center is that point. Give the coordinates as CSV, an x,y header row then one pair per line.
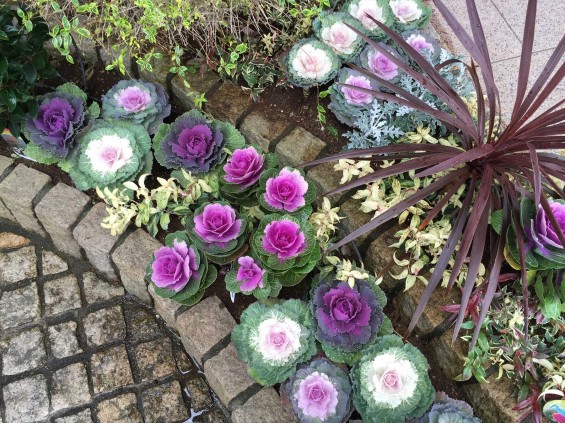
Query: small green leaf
x,y
8,97
3,36
30,73
3,65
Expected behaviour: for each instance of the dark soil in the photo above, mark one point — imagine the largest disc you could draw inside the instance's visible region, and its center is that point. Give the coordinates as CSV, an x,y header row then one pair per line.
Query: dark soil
x,y
277,102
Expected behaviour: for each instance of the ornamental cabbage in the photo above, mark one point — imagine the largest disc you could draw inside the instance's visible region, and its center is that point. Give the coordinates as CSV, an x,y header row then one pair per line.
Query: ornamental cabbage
x,y
249,278
179,272
448,410
346,319
364,10
286,247
379,64
410,14
62,114
543,247
311,63
555,411
194,143
346,102
239,181
273,340
391,382
109,153
333,29
142,102
423,43
286,191
218,232
319,393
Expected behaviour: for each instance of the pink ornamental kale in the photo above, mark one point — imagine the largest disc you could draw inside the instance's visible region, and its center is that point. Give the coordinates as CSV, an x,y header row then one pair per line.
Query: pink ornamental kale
x,y
244,167
60,117
174,266
346,318
286,191
249,274
319,392
217,224
284,239
378,63
543,233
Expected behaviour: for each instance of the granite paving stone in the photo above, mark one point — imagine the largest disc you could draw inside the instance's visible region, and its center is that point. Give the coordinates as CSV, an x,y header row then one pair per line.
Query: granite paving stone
x,y
23,351
61,295
104,326
52,263
110,369
82,417
142,325
164,404
199,394
264,406
58,221
26,400
155,359
19,306
96,289
17,265
165,307
121,409
69,387
131,258
299,146
63,340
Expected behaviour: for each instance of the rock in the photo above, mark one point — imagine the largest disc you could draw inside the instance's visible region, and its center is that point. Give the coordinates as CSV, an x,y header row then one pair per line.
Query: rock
x,y
96,290
228,102
200,83
155,359
52,263
17,265
131,258
63,340
203,326
26,400
82,417
104,326
298,147
69,387
9,240
141,324
164,403
199,394
19,306
58,211
96,241
258,129
165,307
217,370
121,409
18,192
61,295
110,370
264,407
23,351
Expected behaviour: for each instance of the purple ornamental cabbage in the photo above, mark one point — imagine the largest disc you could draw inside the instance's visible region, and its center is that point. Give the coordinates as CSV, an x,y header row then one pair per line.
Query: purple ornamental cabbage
x,y
244,167
217,224
139,101
249,274
60,117
174,266
544,233
448,410
319,393
378,63
284,239
195,144
346,318
286,191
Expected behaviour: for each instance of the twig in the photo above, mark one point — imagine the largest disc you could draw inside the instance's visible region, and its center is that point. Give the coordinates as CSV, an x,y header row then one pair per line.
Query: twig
x,y
81,62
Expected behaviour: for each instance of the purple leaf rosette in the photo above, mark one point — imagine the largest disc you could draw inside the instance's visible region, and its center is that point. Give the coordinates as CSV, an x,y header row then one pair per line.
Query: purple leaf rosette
x,y
218,231
178,271
319,392
379,64
249,278
286,191
142,102
346,318
346,102
286,247
195,144
423,43
447,409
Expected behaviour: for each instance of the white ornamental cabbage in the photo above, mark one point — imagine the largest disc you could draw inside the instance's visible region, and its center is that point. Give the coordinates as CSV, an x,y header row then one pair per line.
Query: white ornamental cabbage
x,y
410,14
367,11
310,63
335,31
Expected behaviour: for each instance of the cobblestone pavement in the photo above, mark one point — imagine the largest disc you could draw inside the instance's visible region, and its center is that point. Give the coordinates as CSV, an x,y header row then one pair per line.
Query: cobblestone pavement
x,y
75,349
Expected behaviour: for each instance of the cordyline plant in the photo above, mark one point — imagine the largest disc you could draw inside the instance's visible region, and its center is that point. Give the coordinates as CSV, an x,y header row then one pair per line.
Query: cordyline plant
x,y
498,165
